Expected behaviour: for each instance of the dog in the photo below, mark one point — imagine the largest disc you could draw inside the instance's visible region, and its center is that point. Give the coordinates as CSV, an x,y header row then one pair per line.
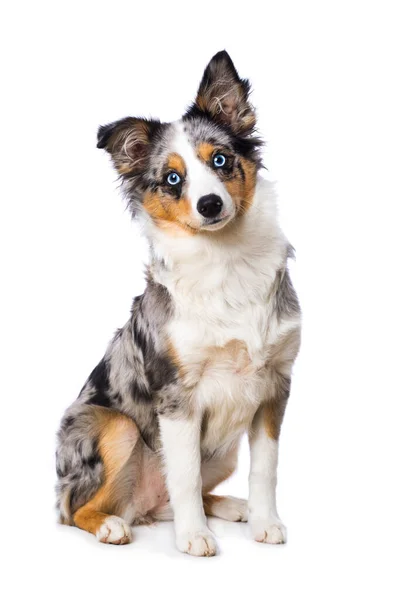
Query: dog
x,y
207,353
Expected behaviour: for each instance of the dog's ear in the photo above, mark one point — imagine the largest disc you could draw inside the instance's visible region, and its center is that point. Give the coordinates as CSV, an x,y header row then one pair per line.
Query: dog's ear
x,y
224,97
128,141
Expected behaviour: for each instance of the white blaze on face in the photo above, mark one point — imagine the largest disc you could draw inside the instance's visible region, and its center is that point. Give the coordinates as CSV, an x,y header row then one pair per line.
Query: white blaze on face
x,y
200,179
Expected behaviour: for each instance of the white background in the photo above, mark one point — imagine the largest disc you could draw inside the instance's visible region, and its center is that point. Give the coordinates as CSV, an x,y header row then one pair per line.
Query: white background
x,y
325,77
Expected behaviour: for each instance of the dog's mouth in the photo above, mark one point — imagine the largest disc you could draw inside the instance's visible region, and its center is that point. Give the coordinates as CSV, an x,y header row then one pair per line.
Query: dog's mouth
x,y
216,223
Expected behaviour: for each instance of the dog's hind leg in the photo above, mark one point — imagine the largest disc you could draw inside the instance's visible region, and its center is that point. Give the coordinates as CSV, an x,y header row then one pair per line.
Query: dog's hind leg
x,y
117,440
225,507
109,529
214,472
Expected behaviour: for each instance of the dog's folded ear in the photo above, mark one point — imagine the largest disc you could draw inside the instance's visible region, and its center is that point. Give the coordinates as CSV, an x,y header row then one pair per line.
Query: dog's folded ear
x,y
128,142
224,97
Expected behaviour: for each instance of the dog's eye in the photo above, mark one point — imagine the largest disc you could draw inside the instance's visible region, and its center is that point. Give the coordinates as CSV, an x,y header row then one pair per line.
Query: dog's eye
x,y
173,179
219,160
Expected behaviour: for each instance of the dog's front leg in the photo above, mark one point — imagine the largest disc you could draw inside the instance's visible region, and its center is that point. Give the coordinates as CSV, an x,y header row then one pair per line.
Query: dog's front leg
x,y
265,523
181,448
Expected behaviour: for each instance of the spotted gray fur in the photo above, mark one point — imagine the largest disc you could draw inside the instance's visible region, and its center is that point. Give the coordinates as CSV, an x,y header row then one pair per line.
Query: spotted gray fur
x,y
284,296
286,300
137,378
78,463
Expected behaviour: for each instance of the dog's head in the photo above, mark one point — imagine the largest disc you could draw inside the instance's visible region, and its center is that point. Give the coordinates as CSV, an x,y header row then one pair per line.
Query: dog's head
x,y
196,174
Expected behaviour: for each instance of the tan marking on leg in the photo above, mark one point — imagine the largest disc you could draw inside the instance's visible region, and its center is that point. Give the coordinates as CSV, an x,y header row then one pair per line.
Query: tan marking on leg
x,y
117,438
273,417
89,519
210,501
279,365
225,507
217,470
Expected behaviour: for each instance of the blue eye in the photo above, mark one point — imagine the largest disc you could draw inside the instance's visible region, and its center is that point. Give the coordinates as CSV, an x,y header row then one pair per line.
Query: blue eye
x,y
219,160
173,179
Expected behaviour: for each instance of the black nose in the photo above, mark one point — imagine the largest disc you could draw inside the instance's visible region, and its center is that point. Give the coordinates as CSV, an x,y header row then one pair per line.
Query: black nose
x,y
209,206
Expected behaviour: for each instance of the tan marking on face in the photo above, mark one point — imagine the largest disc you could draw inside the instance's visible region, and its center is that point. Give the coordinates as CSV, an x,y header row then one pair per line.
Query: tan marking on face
x,y
176,163
242,191
170,214
250,171
205,151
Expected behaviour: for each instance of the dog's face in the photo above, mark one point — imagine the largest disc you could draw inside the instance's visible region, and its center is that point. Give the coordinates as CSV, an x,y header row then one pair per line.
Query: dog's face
x,y
196,174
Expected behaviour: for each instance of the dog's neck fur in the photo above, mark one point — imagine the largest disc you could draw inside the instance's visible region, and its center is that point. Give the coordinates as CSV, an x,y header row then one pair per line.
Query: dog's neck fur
x,y
240,260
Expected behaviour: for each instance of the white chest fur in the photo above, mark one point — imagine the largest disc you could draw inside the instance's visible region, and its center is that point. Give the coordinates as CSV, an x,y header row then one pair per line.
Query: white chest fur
x,y
223,325
222,343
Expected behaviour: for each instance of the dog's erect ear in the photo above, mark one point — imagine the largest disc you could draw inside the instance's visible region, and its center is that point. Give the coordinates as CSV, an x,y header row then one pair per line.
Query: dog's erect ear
x,y
128,141
225,97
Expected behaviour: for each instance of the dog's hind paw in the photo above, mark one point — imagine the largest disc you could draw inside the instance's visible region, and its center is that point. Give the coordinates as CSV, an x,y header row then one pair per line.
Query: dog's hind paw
x,y
226,507
114,531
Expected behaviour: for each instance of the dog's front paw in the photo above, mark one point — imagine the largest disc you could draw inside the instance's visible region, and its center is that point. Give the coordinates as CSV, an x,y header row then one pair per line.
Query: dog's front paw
x,y
268,531
198,543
